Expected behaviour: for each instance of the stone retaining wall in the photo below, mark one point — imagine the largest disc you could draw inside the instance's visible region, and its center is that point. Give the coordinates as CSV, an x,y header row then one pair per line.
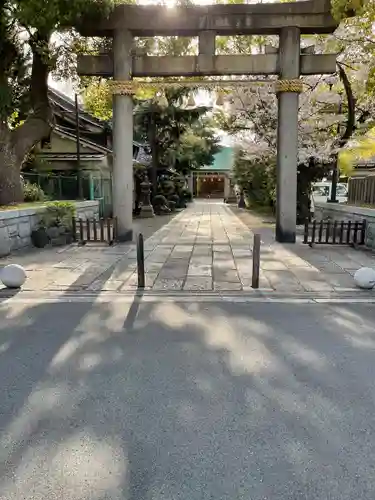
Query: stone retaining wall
x,y
341,212
16,225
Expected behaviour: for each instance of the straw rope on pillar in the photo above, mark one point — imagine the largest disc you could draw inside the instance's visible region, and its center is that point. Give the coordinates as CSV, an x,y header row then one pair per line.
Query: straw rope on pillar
x,y
119,87
295,86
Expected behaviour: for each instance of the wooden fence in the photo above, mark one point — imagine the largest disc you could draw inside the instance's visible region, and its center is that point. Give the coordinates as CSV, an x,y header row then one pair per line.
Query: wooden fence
x,y
93,230
361,191
335,233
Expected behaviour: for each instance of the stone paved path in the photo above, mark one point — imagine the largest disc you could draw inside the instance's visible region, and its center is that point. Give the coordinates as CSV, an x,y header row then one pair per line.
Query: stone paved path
x,y
204,248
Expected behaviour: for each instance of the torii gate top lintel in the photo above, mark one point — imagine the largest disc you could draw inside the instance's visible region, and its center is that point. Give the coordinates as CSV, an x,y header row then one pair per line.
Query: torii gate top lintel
x,y
311,17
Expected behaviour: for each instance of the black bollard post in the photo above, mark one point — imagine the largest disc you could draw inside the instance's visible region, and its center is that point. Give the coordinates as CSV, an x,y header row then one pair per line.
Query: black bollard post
x,y
256,261
140,261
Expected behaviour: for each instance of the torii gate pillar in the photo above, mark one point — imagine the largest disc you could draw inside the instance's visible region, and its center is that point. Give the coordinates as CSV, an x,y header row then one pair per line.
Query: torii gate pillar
x,y
287,136
123,137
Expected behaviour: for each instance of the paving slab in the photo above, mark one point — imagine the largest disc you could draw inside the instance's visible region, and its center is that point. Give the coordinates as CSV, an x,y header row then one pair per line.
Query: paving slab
x,y
199,270
227,285
168,284
196,283
225,275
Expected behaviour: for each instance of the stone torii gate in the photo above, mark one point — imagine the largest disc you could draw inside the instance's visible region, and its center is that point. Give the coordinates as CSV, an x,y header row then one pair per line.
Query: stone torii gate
x,y
287,20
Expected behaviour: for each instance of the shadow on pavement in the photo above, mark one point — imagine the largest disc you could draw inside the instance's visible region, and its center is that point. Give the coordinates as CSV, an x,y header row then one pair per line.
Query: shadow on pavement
x,y
148,227
133,312
322,268
202,400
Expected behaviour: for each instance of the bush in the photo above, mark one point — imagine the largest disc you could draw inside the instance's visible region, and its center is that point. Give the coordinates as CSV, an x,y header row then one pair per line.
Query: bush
x,y
175,198
159,201
58,213
32,192
172,205
167,187
187,195
257,178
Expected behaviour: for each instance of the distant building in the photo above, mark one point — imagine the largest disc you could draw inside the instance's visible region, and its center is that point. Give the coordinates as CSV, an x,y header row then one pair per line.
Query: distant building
x,y
364,168
59,150
214,180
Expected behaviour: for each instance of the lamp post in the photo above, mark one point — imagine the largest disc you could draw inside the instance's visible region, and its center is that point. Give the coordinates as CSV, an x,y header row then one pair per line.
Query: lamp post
x,y
78,148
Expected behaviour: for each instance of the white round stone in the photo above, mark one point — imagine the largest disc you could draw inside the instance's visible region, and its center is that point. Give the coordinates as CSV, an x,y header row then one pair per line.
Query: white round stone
x,y
365,278
13,276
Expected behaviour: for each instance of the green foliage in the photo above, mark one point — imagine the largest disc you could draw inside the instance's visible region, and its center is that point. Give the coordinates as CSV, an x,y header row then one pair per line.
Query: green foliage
x,y
183,137
363,150
159,201
370,84
174,188
172,205
28,53
171,129
58,213
39,19
98,100
187,195
14,77
196,148
166,187
175,198
32,192
175,46
342,9
51,15
256,178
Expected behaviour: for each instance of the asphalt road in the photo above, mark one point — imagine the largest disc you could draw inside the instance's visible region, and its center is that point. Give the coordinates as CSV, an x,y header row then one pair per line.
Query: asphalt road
x,y
192,401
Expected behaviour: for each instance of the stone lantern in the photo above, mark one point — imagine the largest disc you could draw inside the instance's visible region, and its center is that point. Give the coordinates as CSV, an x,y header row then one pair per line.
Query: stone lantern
x,y
146,207
231,197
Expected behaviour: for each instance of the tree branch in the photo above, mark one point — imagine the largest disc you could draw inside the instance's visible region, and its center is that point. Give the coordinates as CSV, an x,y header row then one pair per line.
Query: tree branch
x,y
255,124
350,123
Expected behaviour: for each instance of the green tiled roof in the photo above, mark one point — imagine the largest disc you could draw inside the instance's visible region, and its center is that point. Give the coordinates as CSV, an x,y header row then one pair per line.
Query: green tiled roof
x,y
223,161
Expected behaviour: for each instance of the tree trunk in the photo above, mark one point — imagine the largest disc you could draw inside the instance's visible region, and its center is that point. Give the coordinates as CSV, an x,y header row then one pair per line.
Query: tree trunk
x,y
17,143
303,193
154,162
10,167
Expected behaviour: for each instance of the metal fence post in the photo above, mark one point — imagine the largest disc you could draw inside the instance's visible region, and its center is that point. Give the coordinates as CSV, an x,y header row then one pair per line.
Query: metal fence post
x,y
256,261
140,261
363,232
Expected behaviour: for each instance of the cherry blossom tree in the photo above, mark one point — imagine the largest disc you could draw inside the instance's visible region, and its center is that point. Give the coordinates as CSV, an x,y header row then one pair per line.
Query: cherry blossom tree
x,y
252,120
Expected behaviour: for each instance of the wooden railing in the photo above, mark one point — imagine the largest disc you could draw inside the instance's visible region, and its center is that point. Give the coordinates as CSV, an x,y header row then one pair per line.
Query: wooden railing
x,y
95,230
335,233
